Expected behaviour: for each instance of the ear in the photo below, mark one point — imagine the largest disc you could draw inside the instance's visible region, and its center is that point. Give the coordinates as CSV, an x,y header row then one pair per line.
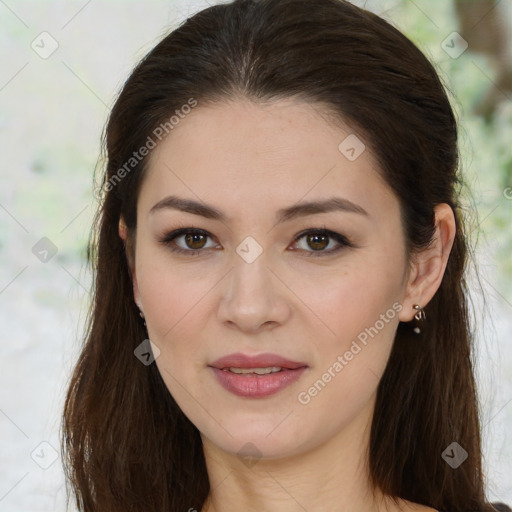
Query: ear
x,y
430,263
123,234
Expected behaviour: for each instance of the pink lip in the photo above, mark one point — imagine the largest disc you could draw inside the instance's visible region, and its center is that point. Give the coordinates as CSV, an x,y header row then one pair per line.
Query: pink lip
x,y
256,386
240,360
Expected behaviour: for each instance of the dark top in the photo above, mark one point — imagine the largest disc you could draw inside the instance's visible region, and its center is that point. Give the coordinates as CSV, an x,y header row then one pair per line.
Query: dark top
x,y
498,506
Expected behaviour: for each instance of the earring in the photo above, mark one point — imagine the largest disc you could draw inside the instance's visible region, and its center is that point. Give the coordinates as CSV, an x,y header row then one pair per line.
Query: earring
x,y
419,316
141,314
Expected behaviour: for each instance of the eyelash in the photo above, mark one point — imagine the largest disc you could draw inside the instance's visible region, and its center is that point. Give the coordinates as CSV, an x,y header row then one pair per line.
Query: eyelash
x,y
171,236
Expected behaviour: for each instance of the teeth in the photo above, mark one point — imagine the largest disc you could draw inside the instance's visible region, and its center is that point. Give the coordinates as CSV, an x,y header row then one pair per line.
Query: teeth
x,y
259,371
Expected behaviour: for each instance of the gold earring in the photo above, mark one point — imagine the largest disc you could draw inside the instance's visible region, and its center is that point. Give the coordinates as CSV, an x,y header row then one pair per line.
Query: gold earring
x,y
419,316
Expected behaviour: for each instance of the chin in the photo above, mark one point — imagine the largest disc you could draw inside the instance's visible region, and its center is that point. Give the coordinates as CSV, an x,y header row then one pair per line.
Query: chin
x,y
257,440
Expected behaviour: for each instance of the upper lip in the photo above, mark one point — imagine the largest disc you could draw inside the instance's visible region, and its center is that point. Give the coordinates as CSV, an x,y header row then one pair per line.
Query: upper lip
x,y
240,360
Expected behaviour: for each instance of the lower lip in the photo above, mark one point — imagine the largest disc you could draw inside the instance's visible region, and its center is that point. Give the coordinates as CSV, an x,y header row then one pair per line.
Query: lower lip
x,y
255,386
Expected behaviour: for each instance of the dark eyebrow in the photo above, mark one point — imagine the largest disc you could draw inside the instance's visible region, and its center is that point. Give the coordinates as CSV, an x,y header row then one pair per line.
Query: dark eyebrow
x,y
283,215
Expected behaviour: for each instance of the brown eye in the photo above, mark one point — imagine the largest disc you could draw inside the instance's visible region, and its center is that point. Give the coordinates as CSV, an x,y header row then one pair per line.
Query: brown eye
x,y
192,242
195,240
189,241
317,242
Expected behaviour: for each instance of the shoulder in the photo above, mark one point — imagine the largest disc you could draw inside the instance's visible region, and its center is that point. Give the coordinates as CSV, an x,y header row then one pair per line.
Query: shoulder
x,y
498,507
501,507
416,507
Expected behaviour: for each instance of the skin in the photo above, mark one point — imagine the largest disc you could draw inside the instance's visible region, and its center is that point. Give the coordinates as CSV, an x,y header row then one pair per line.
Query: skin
x,y
250,160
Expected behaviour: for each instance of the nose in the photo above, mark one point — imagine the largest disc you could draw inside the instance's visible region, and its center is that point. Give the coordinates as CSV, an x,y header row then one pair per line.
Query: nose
x,y
253,297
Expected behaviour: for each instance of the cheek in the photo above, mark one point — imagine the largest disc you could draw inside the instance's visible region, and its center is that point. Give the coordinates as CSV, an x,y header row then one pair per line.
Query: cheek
x,y
351,363
345,302
358,309
175,313
171,294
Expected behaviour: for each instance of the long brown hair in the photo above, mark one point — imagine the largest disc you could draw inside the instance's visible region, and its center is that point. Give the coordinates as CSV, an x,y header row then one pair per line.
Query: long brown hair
x,y
127,445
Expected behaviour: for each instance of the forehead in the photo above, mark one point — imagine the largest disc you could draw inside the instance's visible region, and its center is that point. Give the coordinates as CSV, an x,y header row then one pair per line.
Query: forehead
x,y
242,153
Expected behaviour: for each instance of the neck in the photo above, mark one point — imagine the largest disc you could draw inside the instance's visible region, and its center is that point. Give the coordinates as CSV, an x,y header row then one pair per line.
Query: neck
x,y
330,477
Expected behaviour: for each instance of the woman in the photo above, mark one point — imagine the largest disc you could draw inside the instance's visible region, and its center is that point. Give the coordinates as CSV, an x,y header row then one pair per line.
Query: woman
x,y
280,218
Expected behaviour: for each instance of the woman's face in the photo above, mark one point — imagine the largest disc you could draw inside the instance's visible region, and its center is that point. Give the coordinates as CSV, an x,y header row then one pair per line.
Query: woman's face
x,y
327,301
